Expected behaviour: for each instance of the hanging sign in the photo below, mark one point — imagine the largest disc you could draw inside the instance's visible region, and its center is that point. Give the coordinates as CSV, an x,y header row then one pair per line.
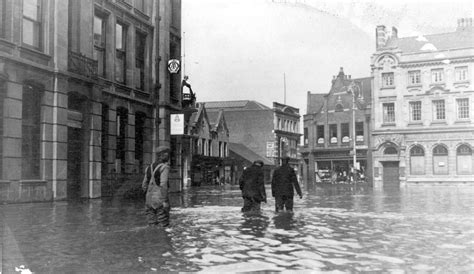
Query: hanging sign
x,y
177,124
173,66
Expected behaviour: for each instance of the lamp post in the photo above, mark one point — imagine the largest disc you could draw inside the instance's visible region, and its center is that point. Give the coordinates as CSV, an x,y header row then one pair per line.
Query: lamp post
x,y
352,90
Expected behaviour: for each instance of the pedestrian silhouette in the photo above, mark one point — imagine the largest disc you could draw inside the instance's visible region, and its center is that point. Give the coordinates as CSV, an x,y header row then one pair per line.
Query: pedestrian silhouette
x,y
252,187
283,182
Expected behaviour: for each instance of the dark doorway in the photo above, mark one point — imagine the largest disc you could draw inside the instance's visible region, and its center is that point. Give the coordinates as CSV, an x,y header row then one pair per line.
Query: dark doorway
x,y
391,175
74,161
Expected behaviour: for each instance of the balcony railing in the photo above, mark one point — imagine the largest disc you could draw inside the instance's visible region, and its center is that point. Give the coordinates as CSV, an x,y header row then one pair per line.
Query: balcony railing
x,y
80,64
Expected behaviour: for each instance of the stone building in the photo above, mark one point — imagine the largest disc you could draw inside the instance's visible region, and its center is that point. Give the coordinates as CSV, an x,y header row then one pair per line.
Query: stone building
x,y
271,133
423,127
336,124
85,94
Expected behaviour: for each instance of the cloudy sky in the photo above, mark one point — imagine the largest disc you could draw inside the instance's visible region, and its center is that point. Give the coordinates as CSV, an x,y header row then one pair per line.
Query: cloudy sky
x,y
243,49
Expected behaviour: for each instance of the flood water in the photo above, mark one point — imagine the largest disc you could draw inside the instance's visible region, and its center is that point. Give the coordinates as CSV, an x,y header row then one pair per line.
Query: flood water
x,y
333,228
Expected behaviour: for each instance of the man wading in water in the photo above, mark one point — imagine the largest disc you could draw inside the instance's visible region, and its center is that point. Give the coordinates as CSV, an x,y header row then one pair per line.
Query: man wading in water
x,y
156,185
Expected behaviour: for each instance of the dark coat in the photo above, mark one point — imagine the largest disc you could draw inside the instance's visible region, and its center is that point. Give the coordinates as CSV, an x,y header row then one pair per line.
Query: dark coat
x,y
283,182
252,185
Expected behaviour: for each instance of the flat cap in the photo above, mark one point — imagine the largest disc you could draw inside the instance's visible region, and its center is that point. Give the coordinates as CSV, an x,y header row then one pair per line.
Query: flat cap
x,y
162,149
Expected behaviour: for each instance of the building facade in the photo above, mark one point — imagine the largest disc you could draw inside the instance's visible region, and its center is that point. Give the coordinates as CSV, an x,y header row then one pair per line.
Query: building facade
x,y
423,128
337,124
271,133
85,93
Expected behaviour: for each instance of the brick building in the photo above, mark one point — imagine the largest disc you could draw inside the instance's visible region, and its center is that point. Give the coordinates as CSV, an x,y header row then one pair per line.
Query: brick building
x,y
85,94
329,130
423,129
271,133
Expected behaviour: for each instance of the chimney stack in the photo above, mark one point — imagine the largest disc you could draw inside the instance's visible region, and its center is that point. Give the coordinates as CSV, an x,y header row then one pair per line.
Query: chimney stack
x,y
464,24
380,36
394,32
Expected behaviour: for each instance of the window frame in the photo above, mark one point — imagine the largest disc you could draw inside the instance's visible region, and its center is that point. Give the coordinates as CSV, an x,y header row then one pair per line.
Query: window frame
x,y
439,110
388,79
140,38
388,112
37,26
121,53
461,74
414,77
31,132
415,108
320,134
100,47
437,76
462,109
333,133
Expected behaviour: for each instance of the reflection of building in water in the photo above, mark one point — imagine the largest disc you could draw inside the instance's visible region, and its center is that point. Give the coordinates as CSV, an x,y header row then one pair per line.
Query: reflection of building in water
x,y
423,107
328,130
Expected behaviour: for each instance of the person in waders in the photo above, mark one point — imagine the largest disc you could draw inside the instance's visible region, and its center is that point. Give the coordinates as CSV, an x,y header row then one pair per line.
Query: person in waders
x,y
156,185
252,187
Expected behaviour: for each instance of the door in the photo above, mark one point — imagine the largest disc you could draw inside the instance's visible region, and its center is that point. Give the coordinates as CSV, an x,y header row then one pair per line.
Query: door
x,y
74,161
391,175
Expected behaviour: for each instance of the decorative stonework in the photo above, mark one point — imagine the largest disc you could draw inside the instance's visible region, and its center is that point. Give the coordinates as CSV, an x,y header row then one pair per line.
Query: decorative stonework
x,y
386,62
396,139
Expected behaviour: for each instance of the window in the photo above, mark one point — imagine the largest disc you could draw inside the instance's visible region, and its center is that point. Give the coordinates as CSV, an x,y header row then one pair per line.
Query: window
x,y
440,160
122,122
415,111
31,133
140,5
140,46
2,100
414,77
333,133
105,139
464,160
305,134
320,134
204,147
345,133
359,130
140,119
99,44
463,108
417,160
120,55
437,75
31,28
390,151
439,110
388,79
388,112
3,14
461,74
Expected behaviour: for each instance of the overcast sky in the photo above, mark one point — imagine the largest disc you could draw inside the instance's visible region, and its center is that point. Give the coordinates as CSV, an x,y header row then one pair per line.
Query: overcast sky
x,y
241,49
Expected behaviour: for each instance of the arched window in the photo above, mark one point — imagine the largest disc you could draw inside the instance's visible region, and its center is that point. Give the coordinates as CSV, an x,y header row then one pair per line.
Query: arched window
x,y
390,151
31,132
440,160
417,160
464,160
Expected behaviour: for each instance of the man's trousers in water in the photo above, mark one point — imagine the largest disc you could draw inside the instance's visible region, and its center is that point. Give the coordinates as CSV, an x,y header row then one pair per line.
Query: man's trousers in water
x,y
159,216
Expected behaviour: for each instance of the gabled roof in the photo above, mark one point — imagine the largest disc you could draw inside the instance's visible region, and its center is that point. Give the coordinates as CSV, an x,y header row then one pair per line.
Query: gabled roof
x,y
196,117
216,119
246,153
235,105
443,41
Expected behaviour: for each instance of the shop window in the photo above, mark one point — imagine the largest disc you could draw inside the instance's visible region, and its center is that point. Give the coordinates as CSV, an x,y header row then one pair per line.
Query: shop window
x,y
440,160
417,160
31,27
31,132
464,160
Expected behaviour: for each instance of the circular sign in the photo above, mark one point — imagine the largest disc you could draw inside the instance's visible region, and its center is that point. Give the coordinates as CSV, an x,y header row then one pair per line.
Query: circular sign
x,y
173,65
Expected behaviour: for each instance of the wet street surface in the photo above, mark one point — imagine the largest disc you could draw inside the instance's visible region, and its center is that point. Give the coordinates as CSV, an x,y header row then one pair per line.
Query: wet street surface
x,y
334,228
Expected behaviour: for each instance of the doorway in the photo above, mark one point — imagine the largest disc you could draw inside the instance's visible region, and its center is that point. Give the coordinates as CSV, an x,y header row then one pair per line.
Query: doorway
x,y
391,174
74,163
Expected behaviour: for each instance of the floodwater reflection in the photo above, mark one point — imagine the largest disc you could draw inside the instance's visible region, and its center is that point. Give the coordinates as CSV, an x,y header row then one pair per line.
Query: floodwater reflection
x,y
346,228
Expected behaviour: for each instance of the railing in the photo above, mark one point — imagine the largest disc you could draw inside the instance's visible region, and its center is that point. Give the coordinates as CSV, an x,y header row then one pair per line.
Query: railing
x,y
80,64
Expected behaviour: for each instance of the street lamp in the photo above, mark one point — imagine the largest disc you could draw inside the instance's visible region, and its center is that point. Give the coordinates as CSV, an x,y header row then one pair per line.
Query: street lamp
x,y
353,89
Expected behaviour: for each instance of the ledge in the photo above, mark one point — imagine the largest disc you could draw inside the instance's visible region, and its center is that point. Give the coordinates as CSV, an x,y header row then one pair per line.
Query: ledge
x,y
467,121
411,124
389,125
439,123
390,87
32,182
